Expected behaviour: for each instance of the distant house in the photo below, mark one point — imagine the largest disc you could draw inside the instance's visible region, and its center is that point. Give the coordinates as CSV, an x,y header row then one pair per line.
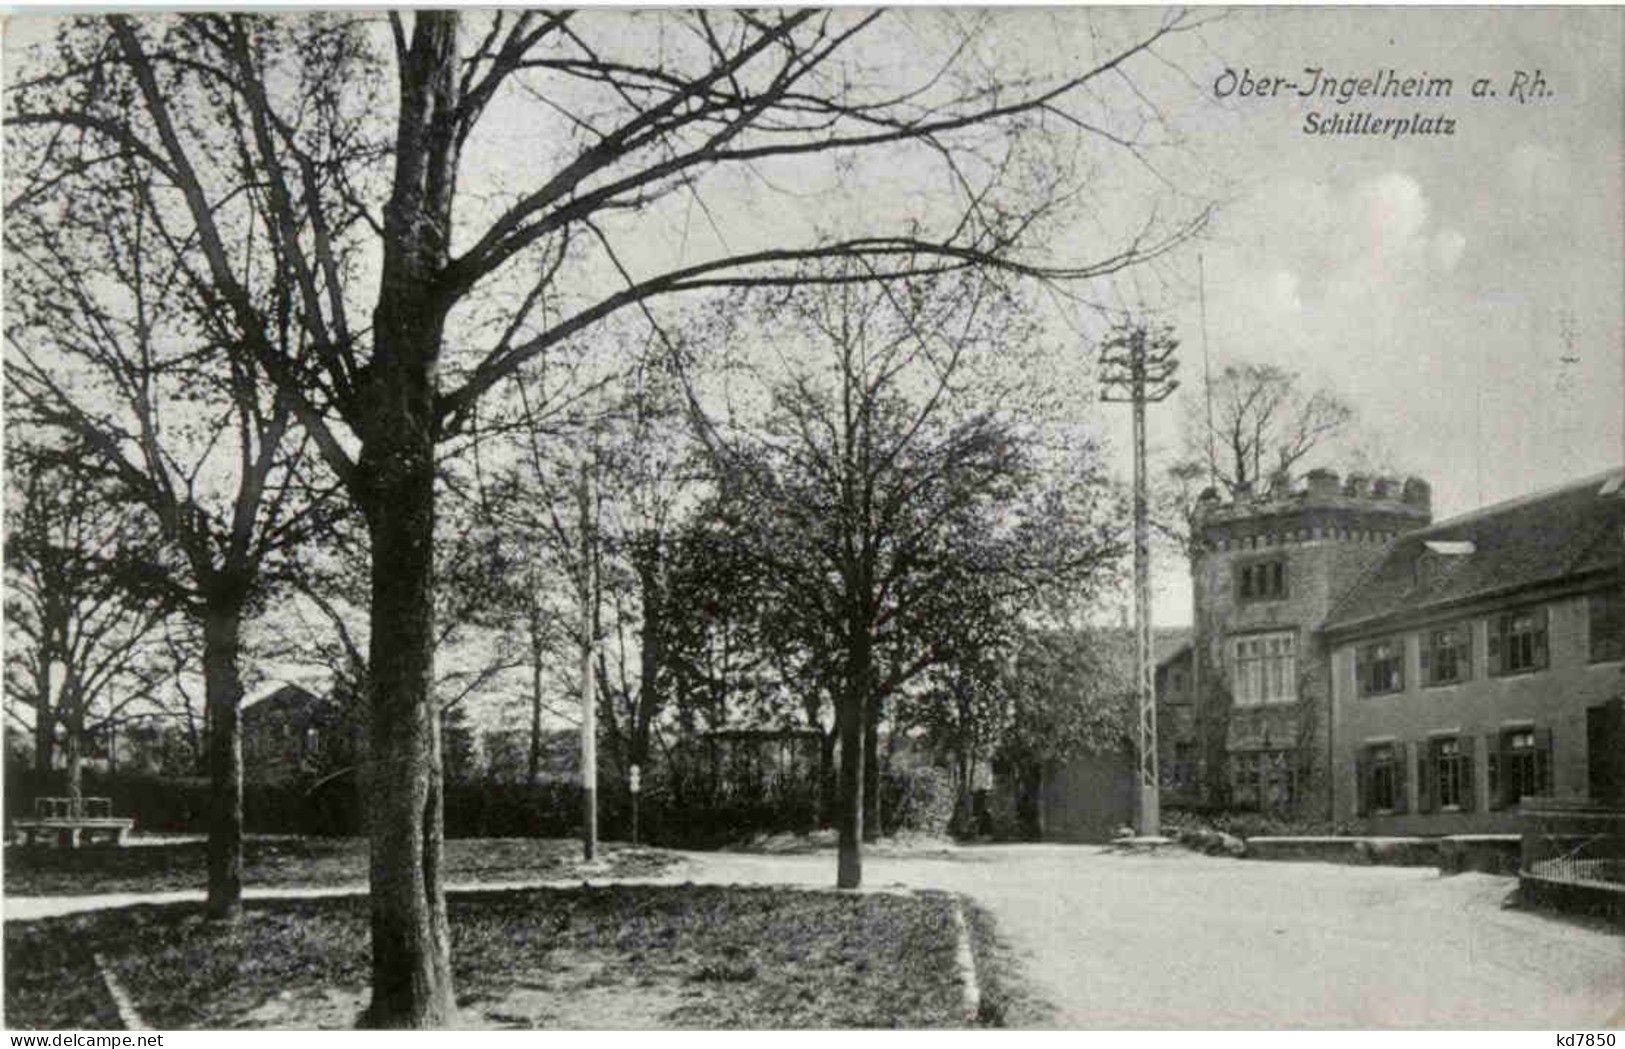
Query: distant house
x,y
293,732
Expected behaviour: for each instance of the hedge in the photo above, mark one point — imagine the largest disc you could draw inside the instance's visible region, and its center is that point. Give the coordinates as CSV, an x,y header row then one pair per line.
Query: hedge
x,y
551,809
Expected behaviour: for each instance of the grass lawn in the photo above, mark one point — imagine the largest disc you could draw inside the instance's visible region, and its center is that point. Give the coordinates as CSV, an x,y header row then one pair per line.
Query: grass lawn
x,y
289,862
611,957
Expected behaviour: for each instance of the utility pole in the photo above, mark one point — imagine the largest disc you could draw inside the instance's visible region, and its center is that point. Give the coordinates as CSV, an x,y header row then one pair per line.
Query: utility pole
x,y
1137,366
589,718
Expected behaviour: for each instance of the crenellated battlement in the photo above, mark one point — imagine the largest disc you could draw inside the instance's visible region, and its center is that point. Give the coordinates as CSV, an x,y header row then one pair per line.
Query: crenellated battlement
x,y
1323,507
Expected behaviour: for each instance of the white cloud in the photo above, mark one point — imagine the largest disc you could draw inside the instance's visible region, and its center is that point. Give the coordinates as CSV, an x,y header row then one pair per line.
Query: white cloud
x,y
1396,212
1448,244
1281,292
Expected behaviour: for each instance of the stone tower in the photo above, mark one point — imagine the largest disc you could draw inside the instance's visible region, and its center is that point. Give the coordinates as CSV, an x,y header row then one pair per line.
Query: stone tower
x,y
1266,571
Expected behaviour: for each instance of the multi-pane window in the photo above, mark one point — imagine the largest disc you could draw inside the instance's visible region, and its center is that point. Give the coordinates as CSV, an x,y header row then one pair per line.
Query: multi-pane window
x,y
1380,667
1266,669
1517,641
1261,581
1265,779
1520,765
1446,655
1607,614
1381,774
1447,778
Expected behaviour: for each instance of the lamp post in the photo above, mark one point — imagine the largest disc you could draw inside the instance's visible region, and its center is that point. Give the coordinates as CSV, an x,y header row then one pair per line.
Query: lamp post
x,y
634,784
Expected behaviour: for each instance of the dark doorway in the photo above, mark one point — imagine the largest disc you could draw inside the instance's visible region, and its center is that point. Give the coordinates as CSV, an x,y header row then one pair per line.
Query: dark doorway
x,y
1605,753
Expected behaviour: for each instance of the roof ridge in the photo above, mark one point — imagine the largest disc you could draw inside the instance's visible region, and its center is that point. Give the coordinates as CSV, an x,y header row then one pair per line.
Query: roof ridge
x,y
1535,539
1599,533
1518,501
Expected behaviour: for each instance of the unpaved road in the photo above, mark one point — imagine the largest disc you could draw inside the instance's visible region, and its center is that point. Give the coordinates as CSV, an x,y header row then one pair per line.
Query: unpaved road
x,y
1175,940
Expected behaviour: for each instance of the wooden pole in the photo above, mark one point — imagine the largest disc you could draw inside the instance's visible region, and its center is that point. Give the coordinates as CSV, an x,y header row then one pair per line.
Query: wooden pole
x,y
589,719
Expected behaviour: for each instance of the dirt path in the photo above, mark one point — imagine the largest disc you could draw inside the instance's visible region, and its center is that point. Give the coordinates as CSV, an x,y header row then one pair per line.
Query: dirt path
x,y
1176,940
1180,941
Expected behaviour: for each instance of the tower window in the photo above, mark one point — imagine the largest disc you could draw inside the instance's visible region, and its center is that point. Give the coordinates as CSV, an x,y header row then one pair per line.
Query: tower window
x,y
1266,669
1261,581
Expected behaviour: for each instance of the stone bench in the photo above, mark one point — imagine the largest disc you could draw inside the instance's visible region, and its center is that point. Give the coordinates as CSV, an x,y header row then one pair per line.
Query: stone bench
x,y
71,822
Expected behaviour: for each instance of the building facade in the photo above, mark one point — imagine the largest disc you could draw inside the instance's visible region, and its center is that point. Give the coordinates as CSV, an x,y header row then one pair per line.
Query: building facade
x,y
1480,663
1354,661
1266,573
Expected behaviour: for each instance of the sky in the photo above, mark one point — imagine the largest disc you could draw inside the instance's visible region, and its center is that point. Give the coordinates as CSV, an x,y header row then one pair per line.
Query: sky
x,y
1465,293
1462,291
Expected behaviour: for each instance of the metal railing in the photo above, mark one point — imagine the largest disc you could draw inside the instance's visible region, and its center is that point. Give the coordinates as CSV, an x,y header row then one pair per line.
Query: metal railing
x,y
1573,843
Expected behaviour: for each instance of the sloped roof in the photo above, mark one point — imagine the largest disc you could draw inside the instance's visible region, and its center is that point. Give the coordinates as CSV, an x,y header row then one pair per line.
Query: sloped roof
x,y
1171,643
283,695
1542,538
1118,644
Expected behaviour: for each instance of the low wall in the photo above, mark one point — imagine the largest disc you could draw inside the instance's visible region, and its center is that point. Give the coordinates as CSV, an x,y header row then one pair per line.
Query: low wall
x,y
1490,853
1602,901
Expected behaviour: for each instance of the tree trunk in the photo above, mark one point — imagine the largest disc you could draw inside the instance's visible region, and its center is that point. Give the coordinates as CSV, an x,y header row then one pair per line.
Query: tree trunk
x,y
964,803
651,648
850,722
44,740
411,955
411,961
73,753
871,771
534,771
828,778
223,695
849,863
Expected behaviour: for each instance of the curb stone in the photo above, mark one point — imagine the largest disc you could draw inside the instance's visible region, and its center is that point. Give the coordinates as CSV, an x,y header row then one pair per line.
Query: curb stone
x,y
127,1014
965,959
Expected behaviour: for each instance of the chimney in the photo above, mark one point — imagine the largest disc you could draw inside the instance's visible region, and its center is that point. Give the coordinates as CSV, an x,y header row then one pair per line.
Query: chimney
x,y
1358,486
1418,493
1322,483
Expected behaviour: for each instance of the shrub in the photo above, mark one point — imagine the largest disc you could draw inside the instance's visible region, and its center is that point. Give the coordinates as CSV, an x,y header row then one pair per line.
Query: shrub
x,y
1247,823
481,809
917,799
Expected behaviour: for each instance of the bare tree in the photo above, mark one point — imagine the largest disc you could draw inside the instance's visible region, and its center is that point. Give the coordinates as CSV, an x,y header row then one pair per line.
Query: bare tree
x,y
111,352
1265,423
85,644
1266,426
271,124
890,482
